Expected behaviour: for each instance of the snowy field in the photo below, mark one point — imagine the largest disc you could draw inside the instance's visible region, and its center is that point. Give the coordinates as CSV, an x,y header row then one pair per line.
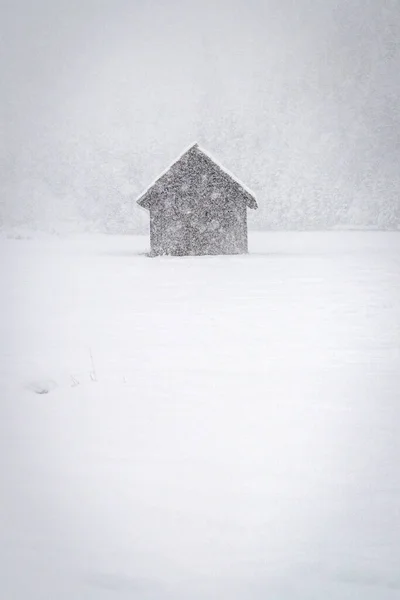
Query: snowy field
x,y
200,428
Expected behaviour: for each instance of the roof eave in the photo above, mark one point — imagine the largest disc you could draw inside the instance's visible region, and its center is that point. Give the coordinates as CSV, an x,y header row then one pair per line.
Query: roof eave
x,y
252,203
143,202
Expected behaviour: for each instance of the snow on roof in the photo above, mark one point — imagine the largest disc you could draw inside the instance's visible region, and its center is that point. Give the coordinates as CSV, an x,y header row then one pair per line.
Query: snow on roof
x,y
226,171
165,171
195,146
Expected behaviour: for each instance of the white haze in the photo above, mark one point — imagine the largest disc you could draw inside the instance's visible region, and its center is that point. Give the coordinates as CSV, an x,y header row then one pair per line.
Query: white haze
x,y
299,98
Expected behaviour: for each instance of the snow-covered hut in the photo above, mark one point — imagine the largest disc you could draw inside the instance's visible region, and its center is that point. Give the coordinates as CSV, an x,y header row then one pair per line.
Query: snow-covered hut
x,y
197,207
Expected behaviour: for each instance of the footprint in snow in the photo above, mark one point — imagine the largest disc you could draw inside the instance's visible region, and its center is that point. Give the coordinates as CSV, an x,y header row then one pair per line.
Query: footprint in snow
x,y
41,387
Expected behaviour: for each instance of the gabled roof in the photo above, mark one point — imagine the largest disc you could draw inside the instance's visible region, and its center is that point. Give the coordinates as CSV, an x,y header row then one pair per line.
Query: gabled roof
x,y
195,149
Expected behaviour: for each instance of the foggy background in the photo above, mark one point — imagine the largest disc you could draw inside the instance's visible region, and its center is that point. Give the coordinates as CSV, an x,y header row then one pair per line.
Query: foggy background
x,y
299,98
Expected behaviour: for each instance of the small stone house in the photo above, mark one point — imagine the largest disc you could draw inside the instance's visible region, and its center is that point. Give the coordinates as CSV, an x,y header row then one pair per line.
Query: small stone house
x,y
197,207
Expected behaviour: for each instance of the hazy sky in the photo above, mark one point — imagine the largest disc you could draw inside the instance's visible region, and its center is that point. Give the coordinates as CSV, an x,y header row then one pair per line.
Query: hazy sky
x,y
300,98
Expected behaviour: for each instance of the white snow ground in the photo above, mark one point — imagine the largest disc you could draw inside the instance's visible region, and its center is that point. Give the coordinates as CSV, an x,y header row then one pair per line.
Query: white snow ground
x,y
239,438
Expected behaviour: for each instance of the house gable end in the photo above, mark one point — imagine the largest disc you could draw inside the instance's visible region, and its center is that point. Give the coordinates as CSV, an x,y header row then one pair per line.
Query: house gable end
x,y
188,170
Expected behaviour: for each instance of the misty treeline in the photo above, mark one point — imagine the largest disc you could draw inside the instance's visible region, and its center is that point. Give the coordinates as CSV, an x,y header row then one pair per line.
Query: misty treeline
x,y
103,199
300,100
